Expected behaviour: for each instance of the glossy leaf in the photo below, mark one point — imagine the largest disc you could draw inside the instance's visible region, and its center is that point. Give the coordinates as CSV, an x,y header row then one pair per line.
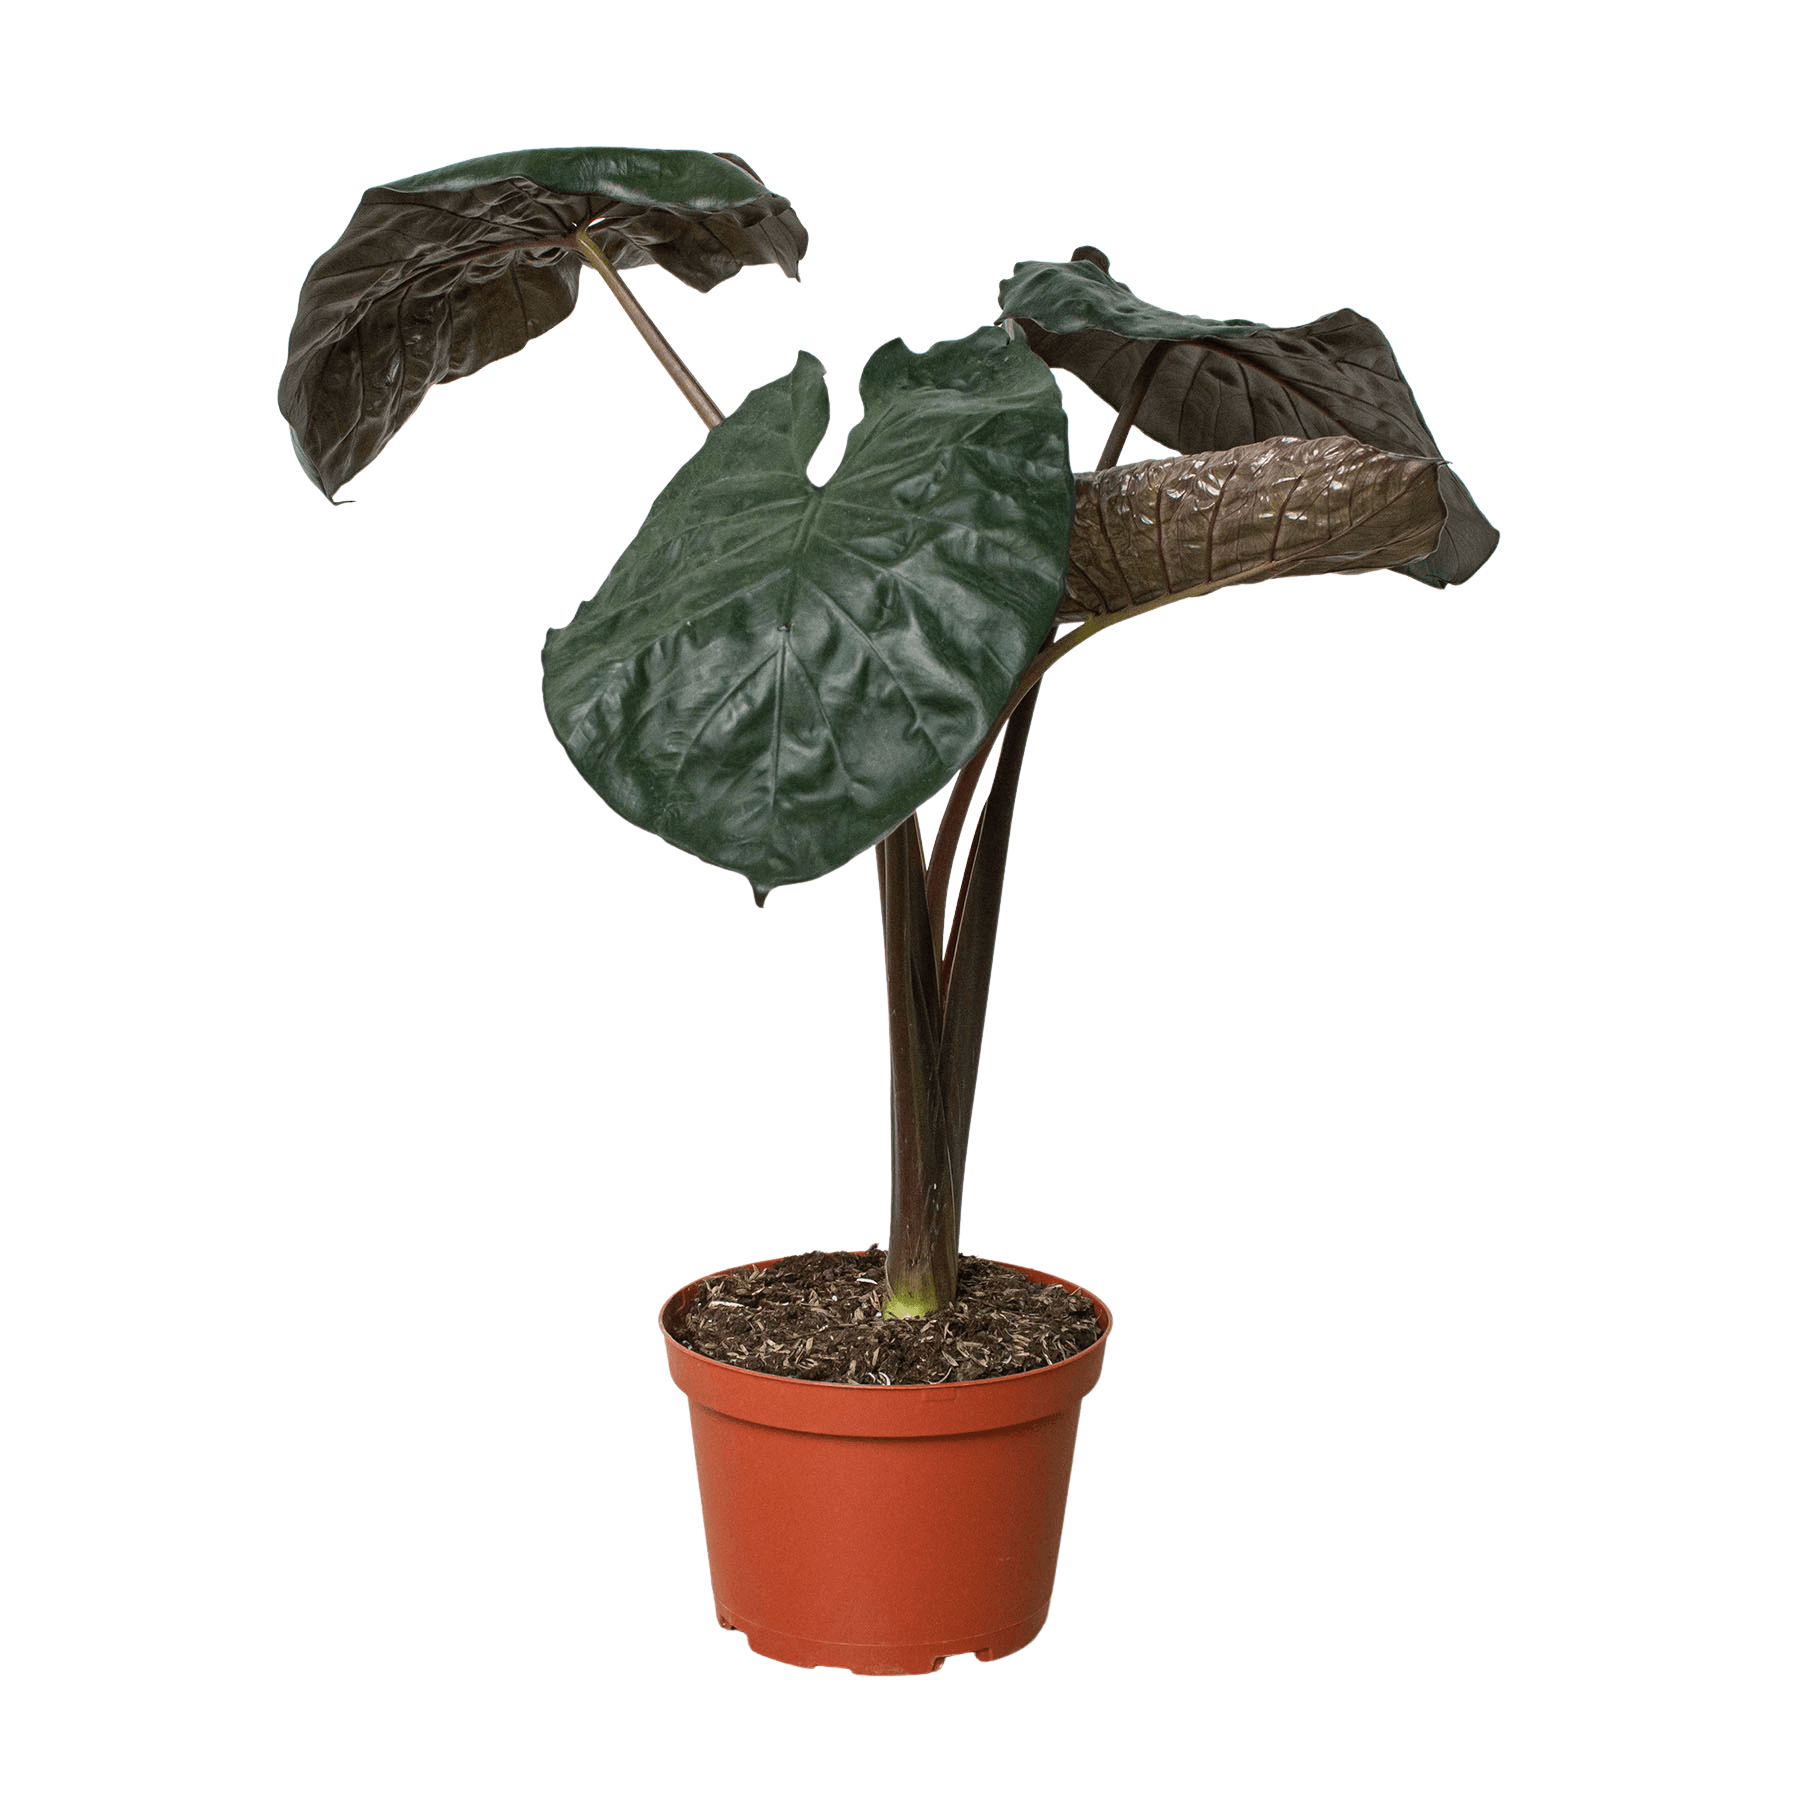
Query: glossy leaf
x,y
1151,532
1067,298
775,674
440,274
1221,383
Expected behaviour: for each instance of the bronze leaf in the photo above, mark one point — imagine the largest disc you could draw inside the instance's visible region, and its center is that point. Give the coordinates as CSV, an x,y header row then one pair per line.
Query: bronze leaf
x,y
1152,532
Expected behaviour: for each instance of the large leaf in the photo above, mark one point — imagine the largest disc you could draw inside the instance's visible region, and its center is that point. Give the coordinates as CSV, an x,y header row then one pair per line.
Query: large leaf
x,y
1151,532
775,674
1223,382
438,275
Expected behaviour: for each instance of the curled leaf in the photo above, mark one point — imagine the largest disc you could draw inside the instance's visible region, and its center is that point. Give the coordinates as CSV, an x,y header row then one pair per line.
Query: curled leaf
x,y
440,274
1219,383
1151,532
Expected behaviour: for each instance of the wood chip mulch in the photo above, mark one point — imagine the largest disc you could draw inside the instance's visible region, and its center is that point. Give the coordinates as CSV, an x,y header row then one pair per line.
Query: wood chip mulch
x,y
818,1317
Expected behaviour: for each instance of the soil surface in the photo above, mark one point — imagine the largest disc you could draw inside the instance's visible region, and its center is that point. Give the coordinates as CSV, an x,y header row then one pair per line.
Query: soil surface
x,y
818,1317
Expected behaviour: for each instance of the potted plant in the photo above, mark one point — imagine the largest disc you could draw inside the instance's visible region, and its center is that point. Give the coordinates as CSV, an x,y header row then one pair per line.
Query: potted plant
x,y
776,675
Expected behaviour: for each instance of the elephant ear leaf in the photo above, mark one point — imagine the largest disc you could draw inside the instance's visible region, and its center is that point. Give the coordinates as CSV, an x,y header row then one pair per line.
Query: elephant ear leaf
x,y
1217,383
774,674
1152,532
440,274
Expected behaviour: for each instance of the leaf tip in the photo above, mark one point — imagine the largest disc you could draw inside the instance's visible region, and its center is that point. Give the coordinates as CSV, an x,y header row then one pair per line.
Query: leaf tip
x,y
1087,253
738,162
761,894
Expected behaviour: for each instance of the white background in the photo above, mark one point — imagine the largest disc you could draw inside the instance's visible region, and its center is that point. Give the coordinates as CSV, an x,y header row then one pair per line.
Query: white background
x,y
1395,1010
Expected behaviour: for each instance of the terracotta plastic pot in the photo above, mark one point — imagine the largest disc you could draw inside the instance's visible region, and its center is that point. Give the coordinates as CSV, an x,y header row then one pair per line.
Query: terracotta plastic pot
x,y
882,1529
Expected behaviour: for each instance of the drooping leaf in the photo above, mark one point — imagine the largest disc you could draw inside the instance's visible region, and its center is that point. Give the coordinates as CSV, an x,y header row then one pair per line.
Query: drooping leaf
x,y
440,274
775,674
1150,532
1062,299
1224,382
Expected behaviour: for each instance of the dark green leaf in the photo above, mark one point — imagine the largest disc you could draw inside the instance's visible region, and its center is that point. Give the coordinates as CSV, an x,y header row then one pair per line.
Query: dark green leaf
x,y
1221,383
775,674
440,274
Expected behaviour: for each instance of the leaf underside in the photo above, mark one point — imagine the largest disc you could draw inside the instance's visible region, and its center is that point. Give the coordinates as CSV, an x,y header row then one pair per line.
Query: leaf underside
x,y
440,274
775,674
1222,383
1151,532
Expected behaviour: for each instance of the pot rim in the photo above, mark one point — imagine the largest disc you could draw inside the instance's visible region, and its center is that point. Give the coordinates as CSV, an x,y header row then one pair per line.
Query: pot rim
x,y
991,1383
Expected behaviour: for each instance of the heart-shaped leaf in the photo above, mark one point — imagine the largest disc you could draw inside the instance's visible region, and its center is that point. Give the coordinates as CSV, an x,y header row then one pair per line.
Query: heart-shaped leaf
x,y
438,275
1218,383
775,674
1152,532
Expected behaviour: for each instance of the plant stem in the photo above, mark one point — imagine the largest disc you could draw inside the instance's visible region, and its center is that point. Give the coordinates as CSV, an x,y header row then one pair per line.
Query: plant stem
x,y
922,1222
956,811
943,846
938,993
680,373
956,808
1115,441
968,965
